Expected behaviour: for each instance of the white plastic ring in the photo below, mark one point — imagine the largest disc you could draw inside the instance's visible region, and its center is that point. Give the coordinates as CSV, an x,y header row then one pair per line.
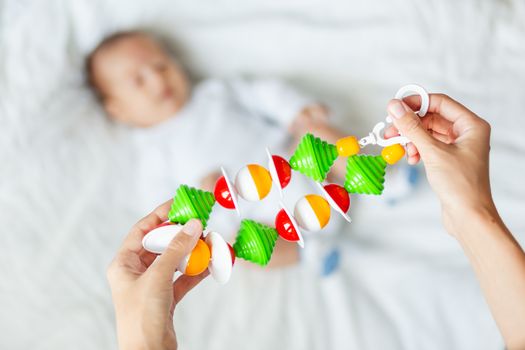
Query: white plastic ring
x,y
413,89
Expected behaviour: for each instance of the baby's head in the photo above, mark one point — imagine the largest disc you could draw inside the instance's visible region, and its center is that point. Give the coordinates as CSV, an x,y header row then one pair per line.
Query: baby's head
x,y
138,82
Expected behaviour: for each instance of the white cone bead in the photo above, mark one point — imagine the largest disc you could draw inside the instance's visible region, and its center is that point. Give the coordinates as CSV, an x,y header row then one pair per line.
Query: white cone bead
x,y
221,260
157,240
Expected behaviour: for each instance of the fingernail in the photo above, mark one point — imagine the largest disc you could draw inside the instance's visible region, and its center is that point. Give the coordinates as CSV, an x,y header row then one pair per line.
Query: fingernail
x,y
396,109
192,228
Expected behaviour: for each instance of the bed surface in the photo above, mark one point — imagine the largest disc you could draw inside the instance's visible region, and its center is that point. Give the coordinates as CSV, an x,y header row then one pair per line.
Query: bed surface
x,y
66,204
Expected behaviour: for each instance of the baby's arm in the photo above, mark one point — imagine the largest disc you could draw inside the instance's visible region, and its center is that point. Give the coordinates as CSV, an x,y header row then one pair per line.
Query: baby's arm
x,y
271,99
298,113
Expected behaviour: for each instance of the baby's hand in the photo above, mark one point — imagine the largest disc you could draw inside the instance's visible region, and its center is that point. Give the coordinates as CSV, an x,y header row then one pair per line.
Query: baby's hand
x,y
208,182
310,119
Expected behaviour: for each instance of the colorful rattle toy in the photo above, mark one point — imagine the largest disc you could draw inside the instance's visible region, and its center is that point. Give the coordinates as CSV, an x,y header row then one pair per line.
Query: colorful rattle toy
x,y
313,158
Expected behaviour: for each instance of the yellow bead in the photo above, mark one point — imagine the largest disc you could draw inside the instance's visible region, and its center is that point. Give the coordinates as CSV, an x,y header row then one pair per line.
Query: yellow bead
x,y
392,154
347,146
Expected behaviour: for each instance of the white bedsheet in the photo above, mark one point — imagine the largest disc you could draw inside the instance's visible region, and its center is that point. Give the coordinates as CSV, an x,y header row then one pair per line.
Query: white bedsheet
x,y
64,196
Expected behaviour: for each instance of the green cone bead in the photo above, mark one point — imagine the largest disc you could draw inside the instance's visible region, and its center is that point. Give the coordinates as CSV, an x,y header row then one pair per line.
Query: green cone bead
x,y
190,203
255,242
313,157
365,174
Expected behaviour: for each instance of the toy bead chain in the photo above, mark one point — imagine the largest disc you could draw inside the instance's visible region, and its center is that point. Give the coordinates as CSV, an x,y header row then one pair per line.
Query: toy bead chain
x,y
255,241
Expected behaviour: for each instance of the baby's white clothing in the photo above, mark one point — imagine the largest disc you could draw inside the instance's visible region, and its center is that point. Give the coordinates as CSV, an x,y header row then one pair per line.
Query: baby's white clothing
x,y
225,123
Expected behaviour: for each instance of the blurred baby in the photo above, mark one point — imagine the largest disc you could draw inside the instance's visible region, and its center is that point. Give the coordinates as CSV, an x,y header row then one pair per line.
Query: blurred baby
x,y
184,133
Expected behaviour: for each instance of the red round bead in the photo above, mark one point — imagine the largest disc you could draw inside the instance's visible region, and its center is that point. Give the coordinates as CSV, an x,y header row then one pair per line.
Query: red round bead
x,y
222,194
284,227
339,195
284,171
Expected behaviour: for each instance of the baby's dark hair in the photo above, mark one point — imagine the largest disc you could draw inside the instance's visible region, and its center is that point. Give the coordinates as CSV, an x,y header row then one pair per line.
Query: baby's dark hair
x,y
105,43
113,39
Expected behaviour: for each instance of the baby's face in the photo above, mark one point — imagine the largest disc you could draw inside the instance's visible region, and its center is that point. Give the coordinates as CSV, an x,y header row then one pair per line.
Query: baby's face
x,y
140,83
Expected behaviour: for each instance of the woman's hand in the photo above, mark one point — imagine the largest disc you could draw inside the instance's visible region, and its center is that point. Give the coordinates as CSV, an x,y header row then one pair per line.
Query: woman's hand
x,y
453,143
142,287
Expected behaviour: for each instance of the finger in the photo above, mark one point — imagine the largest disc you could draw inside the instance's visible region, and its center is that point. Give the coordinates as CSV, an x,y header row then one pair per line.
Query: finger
x,y
431,121
180,246
412,160
147,258
390,132
413,101
185,283
409,125
133,240
442,104
441,137
464,121
412,154
411,150
435,122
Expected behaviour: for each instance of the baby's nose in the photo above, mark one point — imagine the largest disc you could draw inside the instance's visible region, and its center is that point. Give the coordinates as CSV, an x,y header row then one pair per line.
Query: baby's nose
x,y
155,82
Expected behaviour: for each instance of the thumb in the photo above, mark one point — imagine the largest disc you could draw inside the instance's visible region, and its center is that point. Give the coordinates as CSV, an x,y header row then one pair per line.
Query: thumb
x,y
409,125
180,246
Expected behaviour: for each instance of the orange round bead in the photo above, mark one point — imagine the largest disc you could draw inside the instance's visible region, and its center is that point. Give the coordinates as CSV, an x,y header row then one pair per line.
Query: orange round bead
x,y
392,154
199,259
347,146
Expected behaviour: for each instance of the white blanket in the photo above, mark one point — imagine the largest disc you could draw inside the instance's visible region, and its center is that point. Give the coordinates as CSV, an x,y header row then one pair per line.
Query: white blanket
x,y
64,203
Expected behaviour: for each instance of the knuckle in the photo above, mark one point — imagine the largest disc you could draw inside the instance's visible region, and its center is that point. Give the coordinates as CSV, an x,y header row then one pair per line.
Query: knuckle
x,y
450,131
160,210
111,271
443,96
154,275
411,125
483,125
486,125
179,244
141,225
